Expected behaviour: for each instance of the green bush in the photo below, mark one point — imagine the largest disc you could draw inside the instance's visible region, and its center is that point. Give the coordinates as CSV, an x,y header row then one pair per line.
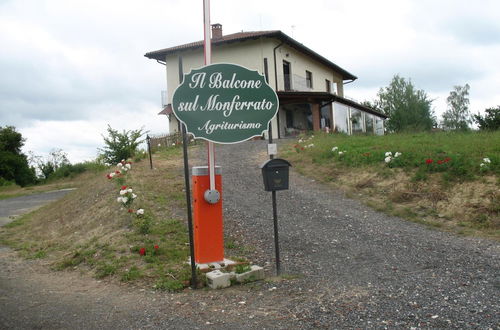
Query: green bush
x,y
122,145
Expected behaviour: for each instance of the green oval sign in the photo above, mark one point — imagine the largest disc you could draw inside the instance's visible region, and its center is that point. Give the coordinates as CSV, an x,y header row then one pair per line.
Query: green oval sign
x,y
225,103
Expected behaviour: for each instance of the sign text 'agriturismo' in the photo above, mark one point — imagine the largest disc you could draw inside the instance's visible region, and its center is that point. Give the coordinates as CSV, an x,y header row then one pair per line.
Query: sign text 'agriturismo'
x,y
225,103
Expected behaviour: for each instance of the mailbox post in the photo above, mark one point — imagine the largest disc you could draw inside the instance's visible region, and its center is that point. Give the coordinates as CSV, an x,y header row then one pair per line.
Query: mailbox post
x,y
275,175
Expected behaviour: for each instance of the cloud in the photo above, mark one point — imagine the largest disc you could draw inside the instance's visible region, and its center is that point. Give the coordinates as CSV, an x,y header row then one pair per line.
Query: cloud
x,y
69,68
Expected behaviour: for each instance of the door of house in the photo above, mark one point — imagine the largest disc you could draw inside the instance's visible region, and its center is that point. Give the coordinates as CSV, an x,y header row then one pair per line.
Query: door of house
x,y
287,75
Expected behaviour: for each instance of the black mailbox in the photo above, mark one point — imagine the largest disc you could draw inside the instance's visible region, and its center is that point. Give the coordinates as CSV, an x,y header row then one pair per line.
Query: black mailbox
x,y
275,174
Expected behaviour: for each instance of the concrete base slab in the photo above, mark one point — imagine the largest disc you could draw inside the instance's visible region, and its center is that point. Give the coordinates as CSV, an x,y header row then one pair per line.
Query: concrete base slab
x,y
254,274
218,280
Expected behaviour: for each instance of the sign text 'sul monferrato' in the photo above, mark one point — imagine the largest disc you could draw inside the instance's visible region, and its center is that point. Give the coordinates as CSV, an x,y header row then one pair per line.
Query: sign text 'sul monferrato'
x,y
225,103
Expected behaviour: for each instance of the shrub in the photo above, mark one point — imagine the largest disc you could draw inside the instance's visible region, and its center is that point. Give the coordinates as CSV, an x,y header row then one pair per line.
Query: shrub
x,y
121,145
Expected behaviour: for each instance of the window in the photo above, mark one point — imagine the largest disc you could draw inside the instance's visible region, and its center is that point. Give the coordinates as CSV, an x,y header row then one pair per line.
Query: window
x,y
356,121
328,86
341,118
286,75
309,79
369,123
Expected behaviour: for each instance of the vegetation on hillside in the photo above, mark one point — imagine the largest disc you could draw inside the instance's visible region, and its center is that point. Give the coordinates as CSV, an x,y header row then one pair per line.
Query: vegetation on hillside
x,y
142,239
14,166
449,180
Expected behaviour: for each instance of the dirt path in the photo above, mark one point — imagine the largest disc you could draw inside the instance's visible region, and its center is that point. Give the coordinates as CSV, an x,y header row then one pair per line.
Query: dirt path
x,y
352,266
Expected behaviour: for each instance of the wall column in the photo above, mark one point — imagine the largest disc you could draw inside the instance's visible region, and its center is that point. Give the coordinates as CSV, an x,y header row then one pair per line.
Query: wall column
x,y
316,116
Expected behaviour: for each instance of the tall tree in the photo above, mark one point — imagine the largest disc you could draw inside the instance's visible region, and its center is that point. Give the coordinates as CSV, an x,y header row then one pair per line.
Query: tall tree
x,y
408,108
14,164
458,116
491,119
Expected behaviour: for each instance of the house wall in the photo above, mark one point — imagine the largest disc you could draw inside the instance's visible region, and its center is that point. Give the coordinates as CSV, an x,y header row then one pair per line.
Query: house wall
x,y
251,54
299,64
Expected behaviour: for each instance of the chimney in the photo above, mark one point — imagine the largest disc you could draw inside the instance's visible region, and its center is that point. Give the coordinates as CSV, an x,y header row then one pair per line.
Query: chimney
x,y
216,31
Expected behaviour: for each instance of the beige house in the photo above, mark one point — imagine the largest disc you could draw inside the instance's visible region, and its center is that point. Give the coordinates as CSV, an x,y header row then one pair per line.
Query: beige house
x,y
310,87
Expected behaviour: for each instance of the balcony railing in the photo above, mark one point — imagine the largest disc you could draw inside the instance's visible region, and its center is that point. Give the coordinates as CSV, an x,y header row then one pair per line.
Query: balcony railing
x,y
294,82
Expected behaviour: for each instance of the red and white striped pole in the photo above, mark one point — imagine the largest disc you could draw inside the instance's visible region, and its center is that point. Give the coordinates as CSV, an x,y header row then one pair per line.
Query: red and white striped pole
x,y
207,47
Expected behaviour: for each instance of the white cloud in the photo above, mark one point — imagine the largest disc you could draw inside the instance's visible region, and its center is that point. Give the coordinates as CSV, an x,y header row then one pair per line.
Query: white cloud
x,y
75,66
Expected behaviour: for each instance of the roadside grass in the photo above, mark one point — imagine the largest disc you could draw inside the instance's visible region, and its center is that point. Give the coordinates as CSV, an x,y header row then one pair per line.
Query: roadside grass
x,y
437,179
87,230
64,180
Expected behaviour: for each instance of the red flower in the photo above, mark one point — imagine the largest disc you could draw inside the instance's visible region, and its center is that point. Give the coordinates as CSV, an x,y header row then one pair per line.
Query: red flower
x,y
447,159
142,251
440,162
156,247
124,187
429,161
130,211
109,176
301,148
117,172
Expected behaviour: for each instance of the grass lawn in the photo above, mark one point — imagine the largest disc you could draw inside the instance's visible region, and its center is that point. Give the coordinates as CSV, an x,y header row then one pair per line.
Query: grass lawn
x,y
90,231
447,180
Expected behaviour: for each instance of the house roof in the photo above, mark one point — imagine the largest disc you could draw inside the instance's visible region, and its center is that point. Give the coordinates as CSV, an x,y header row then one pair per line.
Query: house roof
x,y
290,97
244,36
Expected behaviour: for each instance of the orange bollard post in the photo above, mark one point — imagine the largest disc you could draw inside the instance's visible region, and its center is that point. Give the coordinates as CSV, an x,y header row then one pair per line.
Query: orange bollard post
x,y
208,224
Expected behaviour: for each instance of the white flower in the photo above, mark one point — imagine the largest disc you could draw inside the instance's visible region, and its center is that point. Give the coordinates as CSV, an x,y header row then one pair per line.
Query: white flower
x,y
487,160
335,149
119,164
134,196
397,154
387,159
140,211
112,174
124,200
388,153
123,160
119,200
125,169
311,145
173,144
123,192
482,164
128,166
300,140
341,153
129,190
159,144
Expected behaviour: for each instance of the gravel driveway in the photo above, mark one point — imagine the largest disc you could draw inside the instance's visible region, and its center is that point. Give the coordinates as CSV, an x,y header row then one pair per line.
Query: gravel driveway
x,y
362,268
350,267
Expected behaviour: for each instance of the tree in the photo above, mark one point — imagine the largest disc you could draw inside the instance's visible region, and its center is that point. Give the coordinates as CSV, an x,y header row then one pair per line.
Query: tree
x,y
121,145
458,116
14,164
57,158
491,119
408,109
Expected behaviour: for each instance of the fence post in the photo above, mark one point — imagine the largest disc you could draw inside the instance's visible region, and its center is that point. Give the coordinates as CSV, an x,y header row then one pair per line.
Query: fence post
x,y
148,139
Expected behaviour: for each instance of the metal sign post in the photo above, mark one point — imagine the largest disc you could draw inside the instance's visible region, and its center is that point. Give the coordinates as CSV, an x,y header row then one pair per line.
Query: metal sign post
x,y
148,139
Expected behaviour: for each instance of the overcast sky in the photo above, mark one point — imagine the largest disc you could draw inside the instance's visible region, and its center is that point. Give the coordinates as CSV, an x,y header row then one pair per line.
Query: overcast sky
x,y
69,68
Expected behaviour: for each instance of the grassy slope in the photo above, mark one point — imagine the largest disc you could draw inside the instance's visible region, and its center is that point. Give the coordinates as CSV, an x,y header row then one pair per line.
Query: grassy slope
x,y
90,231
456,194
